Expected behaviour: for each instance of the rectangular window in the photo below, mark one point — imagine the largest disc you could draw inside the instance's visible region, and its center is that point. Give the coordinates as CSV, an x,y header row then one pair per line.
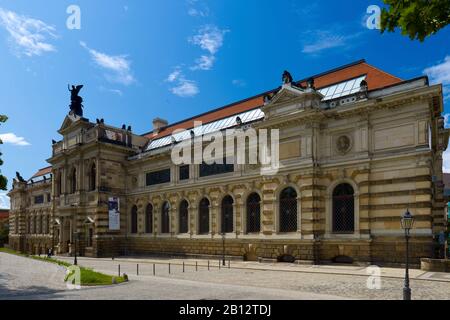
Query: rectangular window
x,y
39,199
184,172
158,177
215,168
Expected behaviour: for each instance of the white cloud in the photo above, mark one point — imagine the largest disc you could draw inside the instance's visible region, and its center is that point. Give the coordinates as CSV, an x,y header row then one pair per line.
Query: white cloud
x,y
204,63
28,36
198,13
440,73
11,138
322,40
4,201
239,83
209,38
175,75
197,9
184,88
119,66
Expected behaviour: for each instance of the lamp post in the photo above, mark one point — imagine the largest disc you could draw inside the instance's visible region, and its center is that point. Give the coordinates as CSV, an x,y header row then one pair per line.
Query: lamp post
x,y
223,239
112,245
407,222
75,261
223,248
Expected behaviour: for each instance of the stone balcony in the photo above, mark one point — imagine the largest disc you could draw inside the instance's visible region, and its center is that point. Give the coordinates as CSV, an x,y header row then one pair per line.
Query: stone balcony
x,y
78,199
99,133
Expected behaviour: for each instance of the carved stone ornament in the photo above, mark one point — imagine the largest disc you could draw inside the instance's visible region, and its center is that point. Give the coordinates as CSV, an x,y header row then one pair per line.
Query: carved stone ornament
x,y
343,144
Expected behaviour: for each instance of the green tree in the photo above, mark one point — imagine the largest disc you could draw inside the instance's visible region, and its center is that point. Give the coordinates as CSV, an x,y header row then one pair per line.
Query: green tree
x,y
3,180
416,18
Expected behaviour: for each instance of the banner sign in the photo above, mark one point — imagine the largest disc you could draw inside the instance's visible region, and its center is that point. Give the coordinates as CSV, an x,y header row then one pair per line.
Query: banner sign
x,y
114,214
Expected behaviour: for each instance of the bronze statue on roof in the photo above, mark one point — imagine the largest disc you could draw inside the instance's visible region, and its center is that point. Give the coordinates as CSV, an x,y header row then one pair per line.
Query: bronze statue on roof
x,y
287,78
76,106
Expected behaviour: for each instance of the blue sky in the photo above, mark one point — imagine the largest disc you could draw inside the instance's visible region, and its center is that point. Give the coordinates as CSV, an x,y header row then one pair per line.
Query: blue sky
x,y
173,59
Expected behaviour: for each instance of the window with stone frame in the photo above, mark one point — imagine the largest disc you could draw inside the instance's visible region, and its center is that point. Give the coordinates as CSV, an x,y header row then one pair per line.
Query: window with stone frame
x,y
134,220
93,177
253,213
184,217
73,181
288,210
184,172
227,215
165,218
203,216
59,183
39,199
343,209
157,177
215,168
47,224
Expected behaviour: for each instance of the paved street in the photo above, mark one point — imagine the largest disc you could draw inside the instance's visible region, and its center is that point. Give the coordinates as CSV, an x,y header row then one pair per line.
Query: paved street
x,y
29,279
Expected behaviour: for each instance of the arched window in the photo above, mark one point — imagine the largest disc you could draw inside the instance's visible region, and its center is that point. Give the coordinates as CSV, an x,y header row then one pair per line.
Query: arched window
x,y
343,209
16,224
59,183
41,224
93,177
149,218
47,225
165,218
253,213
184,215
73,181
134,220
227,215
34,225
203,217
288,210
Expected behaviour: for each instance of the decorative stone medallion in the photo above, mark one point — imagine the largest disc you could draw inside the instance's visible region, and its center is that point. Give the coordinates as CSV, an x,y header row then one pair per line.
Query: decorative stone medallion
x,y
343,144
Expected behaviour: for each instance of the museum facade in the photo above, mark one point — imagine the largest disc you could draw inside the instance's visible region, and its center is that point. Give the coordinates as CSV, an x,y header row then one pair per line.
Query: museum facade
x,y
357,147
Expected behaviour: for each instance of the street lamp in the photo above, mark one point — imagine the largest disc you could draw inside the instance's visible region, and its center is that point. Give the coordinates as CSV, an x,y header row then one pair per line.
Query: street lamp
x,y
75,261
223,248
407,222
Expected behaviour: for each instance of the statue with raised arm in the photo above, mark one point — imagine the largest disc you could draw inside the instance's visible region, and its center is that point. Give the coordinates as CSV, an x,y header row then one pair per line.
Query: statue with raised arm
x,y
286,77
76,106
19,177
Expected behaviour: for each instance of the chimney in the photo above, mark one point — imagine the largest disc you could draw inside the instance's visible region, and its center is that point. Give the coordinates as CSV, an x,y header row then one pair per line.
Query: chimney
x,y
159,123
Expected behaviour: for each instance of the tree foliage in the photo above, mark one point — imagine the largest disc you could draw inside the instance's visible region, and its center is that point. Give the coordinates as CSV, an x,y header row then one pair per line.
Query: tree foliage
x,y
3,180
417,19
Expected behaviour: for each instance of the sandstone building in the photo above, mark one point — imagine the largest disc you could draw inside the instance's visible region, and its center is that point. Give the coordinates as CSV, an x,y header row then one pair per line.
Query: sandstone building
x,y
358,147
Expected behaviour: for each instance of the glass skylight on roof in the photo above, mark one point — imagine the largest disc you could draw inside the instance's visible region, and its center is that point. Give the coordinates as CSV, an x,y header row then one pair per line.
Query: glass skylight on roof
x,y
222,124
342,89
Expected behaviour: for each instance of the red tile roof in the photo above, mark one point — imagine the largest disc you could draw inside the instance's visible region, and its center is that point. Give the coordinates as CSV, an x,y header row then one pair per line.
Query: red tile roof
x,y
375,78
42,172
4,214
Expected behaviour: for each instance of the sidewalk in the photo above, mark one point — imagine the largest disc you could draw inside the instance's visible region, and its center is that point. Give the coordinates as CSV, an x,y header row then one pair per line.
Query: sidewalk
x,y
394,273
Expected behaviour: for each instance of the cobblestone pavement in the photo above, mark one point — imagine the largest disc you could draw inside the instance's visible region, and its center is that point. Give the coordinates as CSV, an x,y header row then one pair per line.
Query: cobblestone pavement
x,y
343,281
23,278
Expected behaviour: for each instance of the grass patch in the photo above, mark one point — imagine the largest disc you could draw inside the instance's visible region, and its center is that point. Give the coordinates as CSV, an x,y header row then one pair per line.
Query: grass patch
x,y
88,276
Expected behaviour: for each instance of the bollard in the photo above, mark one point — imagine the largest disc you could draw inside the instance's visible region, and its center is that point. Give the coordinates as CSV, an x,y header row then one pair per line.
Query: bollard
x,y
196,266
119,269
154,270
208,265
229,264
183,266
219,264
137,269
169,268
